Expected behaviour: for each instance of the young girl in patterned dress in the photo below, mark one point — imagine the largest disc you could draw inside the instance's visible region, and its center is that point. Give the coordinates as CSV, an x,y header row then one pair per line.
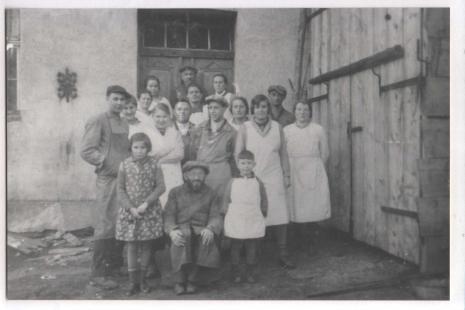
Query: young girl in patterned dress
x,y
140,221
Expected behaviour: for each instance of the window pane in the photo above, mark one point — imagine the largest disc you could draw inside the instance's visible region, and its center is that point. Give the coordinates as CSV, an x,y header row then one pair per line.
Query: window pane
x,y
177,34
11,95
198,36
11,62
219,38
155,35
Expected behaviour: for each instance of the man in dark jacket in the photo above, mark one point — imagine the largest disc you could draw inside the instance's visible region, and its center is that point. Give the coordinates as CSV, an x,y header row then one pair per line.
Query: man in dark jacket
x,y
193,222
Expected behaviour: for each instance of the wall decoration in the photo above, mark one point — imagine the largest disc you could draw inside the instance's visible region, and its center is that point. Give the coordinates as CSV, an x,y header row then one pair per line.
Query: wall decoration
x,y
67,85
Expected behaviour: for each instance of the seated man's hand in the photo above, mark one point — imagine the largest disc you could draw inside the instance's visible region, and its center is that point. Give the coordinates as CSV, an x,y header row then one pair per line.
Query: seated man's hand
x,y
207,236
177,237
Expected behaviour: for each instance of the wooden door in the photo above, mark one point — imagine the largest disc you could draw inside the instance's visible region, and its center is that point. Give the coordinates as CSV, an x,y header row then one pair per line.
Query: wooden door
x,y
166,68
171,39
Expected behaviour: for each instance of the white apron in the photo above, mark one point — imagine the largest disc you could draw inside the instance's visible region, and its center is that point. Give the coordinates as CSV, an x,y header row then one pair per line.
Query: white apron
x,y
172,172
244,218
268,170
309,199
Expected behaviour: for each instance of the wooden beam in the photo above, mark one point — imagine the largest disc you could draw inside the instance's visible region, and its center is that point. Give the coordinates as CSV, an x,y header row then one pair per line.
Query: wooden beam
x,y
418,80
318,98
377,59
401,212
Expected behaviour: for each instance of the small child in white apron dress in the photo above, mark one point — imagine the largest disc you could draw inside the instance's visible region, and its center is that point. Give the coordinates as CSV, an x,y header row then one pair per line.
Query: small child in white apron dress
x,y
245,206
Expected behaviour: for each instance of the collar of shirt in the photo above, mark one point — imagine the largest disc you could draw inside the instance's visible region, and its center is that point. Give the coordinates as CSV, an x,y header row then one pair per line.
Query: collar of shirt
x,y
222,93
251,176
183,127
224,126
139,161
135,121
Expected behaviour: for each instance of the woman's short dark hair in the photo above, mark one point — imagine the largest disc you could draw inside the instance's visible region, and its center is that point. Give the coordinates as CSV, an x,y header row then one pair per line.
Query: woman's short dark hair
x,y
151,78
144,91
225,79
183,100
141,137
131,100
256,102
244,101
196,86
304,102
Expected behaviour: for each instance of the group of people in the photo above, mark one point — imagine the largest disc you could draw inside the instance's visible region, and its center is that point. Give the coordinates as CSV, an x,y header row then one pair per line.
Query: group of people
x,y
197,172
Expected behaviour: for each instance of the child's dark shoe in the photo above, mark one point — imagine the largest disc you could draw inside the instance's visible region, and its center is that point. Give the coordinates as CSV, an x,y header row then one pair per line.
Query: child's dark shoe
x,y
179,289
145,287
133,289
191,288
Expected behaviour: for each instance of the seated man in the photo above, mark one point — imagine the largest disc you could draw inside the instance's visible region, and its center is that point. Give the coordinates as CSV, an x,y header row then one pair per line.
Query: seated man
x,y
193,221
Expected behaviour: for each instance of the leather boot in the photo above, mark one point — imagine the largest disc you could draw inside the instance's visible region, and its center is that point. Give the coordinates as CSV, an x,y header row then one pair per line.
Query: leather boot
x,y
133,283
236,274
144,286
251,273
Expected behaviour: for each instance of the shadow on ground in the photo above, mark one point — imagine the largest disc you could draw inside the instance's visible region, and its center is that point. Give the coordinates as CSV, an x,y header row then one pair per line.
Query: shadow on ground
x,y
334,267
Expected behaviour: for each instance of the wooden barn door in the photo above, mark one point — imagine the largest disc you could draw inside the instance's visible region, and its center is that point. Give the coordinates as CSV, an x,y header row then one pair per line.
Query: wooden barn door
x,y
171,39
372,118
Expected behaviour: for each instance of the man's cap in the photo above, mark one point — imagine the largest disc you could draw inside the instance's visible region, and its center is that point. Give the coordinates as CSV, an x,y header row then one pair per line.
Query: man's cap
x,y
188,68
117,89
191,164
279,89
216,98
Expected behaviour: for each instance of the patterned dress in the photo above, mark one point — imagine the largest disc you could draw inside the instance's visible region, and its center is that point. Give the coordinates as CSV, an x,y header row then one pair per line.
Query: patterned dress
x,y
139,181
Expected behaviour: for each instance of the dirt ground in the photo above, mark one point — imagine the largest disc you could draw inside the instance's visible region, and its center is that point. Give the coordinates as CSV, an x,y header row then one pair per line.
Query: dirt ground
x,y
336,267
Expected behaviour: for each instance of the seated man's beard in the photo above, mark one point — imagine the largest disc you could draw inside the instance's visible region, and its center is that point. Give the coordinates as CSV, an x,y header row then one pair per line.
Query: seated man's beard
x,y
195,184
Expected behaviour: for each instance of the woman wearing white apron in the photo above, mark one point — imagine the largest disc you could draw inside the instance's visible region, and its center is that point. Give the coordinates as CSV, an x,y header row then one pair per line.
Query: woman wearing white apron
x,y
307,146
168,147
264,138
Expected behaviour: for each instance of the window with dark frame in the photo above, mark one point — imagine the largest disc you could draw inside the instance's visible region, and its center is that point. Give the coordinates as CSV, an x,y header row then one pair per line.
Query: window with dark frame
x,y
12,41
206,30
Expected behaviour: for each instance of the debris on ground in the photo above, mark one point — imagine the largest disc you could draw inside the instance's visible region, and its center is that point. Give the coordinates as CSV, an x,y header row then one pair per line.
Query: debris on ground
x,y
56,236
69,251
64,260
48,277
72,239
25,245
